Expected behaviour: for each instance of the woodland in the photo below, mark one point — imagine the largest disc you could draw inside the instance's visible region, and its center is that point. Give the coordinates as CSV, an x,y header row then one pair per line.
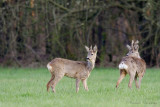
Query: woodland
x,y
33,32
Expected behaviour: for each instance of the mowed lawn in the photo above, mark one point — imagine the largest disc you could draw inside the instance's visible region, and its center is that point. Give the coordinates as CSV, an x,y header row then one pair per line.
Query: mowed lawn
x,y
26,87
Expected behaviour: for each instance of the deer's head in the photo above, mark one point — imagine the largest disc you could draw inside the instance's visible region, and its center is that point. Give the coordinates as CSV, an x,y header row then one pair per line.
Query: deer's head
x,y
133,49
92,53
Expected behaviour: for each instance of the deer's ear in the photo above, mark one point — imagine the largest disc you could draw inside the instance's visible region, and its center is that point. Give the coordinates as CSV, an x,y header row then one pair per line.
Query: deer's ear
x,y
129,48
95,48
91,47
137,42
132,43
87,48
136,47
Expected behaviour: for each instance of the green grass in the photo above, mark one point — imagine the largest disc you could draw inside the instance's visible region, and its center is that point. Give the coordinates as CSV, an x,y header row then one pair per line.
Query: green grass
x,y
27,88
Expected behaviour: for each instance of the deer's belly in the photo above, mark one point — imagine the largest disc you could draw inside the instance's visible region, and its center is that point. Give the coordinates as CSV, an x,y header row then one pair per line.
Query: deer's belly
x,y
71,75
80,75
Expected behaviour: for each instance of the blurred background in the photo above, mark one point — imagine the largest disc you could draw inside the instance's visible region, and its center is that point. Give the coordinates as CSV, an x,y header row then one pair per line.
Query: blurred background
x,y
33,32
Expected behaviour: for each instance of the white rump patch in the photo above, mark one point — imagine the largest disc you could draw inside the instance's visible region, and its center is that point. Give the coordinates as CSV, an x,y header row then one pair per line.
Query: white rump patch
x,y
49,67
122,65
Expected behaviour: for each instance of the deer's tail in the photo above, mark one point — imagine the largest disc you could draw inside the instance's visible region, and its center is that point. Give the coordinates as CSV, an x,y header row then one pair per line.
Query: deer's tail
x,y
49,66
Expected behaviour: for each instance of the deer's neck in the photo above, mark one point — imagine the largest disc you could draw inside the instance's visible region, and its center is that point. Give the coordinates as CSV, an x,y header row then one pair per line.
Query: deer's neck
x,y
139,56
90,65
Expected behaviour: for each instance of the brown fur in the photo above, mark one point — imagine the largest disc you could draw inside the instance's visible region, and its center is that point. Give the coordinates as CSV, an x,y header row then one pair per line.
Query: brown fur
x,y
80,70
136,66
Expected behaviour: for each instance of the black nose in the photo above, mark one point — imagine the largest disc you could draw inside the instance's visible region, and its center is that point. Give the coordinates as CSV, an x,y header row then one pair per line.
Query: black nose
x,y
87,58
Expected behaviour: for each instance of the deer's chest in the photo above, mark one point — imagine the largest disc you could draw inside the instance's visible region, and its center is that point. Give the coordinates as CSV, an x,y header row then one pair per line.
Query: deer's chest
x,y
84,74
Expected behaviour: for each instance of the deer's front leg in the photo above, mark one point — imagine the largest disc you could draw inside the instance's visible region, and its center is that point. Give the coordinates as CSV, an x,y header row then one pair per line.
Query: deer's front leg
x,y
77,84
85,84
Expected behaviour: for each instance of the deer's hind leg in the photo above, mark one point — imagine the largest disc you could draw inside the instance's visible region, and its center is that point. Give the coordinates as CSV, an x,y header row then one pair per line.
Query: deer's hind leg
x,y
140,75
122,75
132,77
54,82
49,83
140,79
137,86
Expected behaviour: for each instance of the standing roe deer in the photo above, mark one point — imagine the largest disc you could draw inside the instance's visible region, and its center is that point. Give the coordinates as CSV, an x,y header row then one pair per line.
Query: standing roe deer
x,y
133,65
80,70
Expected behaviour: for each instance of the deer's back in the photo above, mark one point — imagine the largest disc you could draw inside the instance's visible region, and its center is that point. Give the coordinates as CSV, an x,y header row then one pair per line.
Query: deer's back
x,y
135,64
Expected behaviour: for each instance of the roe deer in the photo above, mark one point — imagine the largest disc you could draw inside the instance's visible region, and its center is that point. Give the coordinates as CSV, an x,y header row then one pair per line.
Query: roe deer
x,y
80,70
133,65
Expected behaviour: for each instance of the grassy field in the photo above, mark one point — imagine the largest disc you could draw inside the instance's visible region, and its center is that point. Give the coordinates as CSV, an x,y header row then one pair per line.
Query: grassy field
x,y
27,88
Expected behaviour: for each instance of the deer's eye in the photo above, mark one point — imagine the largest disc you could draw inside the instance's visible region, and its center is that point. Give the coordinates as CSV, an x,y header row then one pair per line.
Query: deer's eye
x,y
91,54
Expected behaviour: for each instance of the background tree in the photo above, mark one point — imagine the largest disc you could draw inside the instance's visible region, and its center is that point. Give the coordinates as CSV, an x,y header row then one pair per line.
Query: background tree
x,y
32,32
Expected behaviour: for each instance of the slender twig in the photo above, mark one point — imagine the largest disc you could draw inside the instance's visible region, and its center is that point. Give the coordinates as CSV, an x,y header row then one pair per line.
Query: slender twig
x,y
59,6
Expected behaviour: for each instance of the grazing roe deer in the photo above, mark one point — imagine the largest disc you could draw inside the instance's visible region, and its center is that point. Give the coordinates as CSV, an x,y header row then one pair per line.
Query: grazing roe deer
x,y
133,65
80,70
